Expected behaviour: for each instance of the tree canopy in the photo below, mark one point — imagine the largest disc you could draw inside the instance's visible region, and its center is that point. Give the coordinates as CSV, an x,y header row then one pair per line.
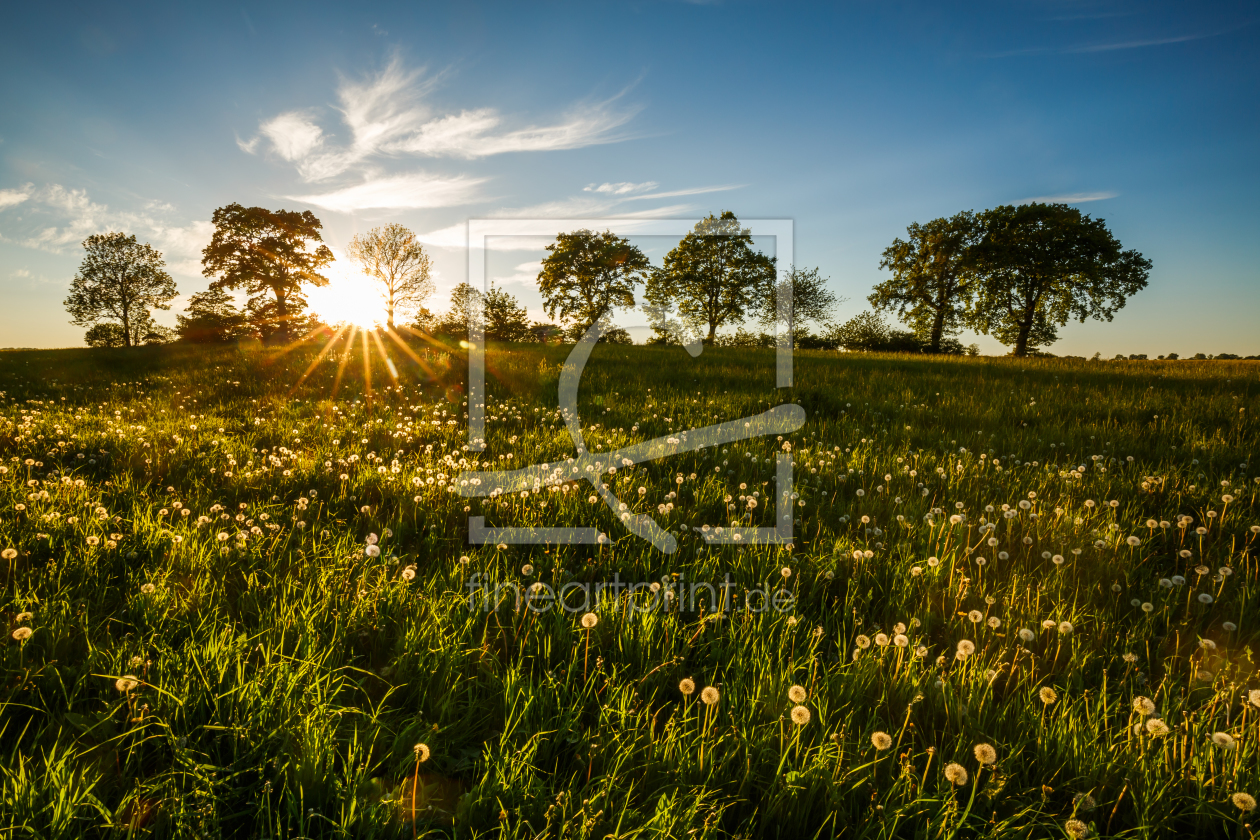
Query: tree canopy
x,y
587,274
397,260
1039,265
272,255
713,276
119,281
805,299
933,280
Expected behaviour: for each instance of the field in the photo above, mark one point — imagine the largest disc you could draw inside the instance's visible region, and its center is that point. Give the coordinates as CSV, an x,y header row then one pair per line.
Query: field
x,y
1020,600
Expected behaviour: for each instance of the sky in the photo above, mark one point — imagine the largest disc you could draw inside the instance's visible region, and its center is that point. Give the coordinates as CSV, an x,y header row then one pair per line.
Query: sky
x,y
851,119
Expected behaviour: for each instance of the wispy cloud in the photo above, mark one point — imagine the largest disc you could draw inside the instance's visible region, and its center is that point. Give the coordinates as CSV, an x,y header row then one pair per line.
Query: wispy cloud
x,y
620,188
1068,198
388,116
9,198
1110,46
407,191
692,191
57,219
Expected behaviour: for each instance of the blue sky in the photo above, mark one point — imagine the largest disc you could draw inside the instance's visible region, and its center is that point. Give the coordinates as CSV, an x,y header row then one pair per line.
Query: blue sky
x,y
853,120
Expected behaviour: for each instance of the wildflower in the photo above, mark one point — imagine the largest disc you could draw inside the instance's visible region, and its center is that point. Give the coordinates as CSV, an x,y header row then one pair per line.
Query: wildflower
x,y
933,562
1048,695
1253,697
1026,635
422,752
956,774
589,620
797,694
1083,802
965,648
372,551
1076,829
1205,598
22,634
901,640
687,686
881,740
1223,740
800,715
527,570
126,683
1133,542
710,695
985,754
1156,728
148,589
408,573
863,642
881,639
1244,802
1143,706
1065,627
24,616
8,553
994,622
975,616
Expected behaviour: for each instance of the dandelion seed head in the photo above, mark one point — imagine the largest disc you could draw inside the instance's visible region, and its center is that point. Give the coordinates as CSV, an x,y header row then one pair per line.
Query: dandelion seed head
x,y
956,774
1048,695
800,715
881,740
710,695
1244,802
985,754
797,694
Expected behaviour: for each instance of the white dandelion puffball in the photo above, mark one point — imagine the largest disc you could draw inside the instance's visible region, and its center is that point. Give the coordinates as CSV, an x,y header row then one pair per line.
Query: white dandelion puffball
x,y
881,741
22,634
1156,728
985,754
1244,802
956,774
863,642
966,648
1223,740
126,683
589,620
687,686
710,695
1026,635
1048,695
422,752
1076,829
800,715
1143,706
797,694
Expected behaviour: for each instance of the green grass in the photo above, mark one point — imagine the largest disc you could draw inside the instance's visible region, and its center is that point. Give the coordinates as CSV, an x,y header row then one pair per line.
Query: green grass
x,y
284,679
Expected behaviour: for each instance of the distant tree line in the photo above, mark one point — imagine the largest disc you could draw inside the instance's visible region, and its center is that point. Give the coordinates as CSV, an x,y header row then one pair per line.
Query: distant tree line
x,y
1018,273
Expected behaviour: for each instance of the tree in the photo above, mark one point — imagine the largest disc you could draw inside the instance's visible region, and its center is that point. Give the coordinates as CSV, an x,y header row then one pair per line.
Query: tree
x,y
1040,265
933,280
465,304
119,281
587,274
212,317
806,299
272,255
505,319
393,256
105,334
713,275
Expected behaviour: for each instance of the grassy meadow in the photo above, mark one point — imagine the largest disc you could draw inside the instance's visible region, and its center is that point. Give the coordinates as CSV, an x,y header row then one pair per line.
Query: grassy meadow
x,y
1023,600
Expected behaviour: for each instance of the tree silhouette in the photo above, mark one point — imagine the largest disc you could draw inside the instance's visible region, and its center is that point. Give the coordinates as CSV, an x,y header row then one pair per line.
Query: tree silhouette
x,y
1040,265
933,280
713,275
272,255
212,317
119,281
587,274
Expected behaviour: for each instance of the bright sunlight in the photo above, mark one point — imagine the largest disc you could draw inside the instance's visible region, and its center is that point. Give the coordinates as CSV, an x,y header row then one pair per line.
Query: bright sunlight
x,y
350,297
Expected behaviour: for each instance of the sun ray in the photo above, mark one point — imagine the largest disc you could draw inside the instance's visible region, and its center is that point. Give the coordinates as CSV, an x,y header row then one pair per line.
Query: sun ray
x,y
367,367
389,363
394,337
319,358
345,358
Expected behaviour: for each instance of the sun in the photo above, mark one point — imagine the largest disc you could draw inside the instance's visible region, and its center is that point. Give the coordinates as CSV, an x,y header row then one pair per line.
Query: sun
x,y
349,298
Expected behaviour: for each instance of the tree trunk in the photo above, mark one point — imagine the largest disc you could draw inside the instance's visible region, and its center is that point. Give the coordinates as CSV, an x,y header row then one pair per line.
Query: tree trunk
x,y
1021,342
126,321
938,329
282,318
712,333
389,318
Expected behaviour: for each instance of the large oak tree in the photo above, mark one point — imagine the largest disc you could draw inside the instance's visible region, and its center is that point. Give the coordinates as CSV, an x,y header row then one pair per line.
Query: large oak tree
x,y
932,279
1040,265
119,281
272,254
587,274
713,276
